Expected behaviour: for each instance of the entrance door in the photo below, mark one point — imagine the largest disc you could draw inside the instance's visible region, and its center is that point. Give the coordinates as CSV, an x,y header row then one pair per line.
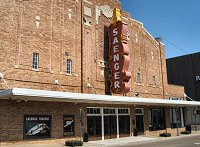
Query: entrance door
x,y
94,127
140,124
110,127
139,120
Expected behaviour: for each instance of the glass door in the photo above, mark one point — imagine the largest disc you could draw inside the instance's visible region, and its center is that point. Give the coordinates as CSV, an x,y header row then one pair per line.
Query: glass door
x,y
139,120
139,124
94,127
110,127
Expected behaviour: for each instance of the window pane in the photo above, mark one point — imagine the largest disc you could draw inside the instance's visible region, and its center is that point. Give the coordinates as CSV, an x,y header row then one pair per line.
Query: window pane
x,y
109,111
93,110
154,81
37,126
35,61
98,125
110,126
90,125
69,66
138,111
124,124
157,120
175,117
94,125
123,111
68,125
138,78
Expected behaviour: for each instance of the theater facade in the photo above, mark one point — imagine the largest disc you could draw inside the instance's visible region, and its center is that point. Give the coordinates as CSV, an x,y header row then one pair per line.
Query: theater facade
x,y
59,77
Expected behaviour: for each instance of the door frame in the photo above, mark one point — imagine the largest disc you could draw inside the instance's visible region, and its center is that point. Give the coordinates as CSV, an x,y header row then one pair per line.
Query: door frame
x,y
114,114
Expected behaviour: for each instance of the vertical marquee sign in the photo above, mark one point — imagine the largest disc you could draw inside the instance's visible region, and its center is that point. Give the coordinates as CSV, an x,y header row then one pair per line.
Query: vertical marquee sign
x,y
119,55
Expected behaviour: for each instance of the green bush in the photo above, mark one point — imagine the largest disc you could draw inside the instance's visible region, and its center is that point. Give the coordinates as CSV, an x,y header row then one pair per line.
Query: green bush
x,y
185,132
165,135
73,143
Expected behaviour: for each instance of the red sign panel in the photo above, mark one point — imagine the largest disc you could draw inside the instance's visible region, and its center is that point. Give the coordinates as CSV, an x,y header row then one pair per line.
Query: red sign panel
x,y
119,58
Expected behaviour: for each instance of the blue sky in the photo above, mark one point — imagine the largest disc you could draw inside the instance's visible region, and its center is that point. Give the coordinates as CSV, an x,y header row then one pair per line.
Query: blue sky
x,y
177,21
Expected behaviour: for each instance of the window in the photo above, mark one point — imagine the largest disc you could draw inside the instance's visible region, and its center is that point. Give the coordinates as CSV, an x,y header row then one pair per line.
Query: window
x,y
93,111
138,78
109,111
68,125
35,61
156,119
103,64
138,111
176,118
37,126
123,111
69,66
154,81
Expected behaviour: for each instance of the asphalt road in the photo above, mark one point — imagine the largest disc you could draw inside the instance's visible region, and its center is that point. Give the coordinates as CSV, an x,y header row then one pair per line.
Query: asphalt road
x,y
193,141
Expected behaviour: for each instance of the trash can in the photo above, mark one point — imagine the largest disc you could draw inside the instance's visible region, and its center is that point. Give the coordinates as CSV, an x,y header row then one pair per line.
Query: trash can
x,y
85,137
135,132
188,128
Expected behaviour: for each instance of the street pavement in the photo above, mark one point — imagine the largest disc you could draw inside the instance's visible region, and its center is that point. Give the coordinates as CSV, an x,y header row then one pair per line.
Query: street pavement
x,y
189,141
192,140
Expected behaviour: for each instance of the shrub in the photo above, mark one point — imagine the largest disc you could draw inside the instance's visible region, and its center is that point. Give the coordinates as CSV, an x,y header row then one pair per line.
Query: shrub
x,y
73,143
185,132
165,135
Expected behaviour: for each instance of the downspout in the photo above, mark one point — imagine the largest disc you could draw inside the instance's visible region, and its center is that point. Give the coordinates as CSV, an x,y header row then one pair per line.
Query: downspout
x,y
81,46
81,117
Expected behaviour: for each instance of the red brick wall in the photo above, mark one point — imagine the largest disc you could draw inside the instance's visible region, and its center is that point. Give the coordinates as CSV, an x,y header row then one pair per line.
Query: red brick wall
x,y
56,34
12,116
58,38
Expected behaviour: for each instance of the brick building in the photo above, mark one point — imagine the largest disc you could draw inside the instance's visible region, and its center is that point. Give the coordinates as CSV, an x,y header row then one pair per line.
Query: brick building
x,y
54,74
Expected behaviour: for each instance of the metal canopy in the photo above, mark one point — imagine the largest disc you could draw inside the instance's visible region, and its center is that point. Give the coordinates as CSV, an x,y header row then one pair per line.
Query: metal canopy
x,y
44,95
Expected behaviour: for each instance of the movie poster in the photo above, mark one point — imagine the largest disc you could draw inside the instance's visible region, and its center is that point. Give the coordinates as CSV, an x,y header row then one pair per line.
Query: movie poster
x,y
37,126
68,125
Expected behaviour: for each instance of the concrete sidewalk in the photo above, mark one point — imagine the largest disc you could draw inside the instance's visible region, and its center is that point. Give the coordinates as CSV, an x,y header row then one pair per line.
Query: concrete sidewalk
x,y
100,143
119,141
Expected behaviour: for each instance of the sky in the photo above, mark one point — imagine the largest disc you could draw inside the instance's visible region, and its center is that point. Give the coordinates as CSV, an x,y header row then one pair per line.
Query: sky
x,y
176,21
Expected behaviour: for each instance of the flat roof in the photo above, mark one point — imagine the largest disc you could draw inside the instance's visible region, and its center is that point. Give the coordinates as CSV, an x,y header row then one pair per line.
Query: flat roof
x,y
56,96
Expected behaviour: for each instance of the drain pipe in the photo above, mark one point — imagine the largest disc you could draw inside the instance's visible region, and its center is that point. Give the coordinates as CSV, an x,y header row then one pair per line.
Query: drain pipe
x,y
81,111
81,46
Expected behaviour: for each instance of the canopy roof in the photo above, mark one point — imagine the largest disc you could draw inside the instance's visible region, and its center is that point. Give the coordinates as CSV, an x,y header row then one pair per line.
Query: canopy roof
x,y
44,95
